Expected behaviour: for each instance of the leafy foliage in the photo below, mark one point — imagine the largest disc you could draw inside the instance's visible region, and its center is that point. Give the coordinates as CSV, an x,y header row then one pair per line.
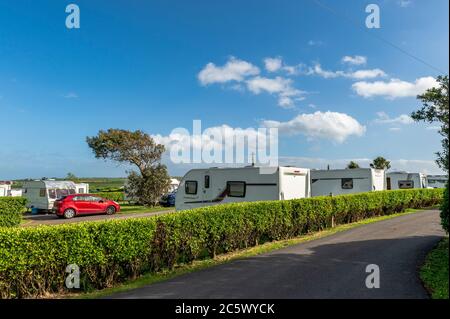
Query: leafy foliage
x,y
435,109
445,208
380,163
115,196
352,165
11,209
33,260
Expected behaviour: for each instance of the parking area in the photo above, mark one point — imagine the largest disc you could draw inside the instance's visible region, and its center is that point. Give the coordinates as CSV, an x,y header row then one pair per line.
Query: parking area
x,y
51,219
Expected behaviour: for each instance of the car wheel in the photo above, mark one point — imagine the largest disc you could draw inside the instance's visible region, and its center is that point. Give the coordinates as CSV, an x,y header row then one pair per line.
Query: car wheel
x,y
110,210
69,213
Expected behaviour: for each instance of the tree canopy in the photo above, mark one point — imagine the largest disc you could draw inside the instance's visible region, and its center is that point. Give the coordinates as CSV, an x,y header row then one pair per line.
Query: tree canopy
x,y
380,163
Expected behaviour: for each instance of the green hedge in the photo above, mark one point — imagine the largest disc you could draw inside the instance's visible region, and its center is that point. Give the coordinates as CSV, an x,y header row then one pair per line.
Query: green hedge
x,y
115,196
11,209
33,260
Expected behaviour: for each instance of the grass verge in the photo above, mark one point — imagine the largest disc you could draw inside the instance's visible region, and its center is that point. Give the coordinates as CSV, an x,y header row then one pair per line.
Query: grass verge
x,y
166,274
133,209
434,272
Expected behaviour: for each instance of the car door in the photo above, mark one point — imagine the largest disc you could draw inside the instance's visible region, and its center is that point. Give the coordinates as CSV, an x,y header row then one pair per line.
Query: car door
x,y
96,204
82,204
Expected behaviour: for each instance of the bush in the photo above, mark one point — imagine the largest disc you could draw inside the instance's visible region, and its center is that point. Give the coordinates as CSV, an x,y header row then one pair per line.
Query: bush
x,y
11,209
444,209
115,196
33,260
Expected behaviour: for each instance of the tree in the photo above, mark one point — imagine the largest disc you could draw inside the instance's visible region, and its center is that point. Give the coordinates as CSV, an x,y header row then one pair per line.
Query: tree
x,y
380,163
352,165
71,177
435,110
139,149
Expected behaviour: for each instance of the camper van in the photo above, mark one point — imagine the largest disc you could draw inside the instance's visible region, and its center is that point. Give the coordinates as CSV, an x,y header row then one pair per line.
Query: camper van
x,y
405,180
205,187
41,194
5,188
347,181
437,181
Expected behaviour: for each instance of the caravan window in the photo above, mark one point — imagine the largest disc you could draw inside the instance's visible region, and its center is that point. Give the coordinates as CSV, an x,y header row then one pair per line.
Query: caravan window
x,y
42,192
405,184
52,193
62,192
236,189
206,181
347,183
190,187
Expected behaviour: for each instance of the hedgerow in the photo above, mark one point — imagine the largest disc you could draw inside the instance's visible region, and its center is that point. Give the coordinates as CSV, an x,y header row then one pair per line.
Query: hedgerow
x,y
115,196
33,260
11,210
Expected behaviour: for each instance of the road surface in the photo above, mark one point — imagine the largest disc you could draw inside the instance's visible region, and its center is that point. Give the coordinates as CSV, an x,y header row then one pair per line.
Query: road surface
x,y
52,219
331,267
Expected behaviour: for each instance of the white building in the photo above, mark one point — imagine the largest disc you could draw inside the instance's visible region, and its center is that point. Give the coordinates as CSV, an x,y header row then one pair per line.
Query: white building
x,y
347,181
205,187
5,188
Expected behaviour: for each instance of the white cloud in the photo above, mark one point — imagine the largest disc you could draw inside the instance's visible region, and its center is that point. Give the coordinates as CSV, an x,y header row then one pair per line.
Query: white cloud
x,y
280,86
404,3
395,129
395,88
325,125
233,70
354,60
433,128
383,118
366,74
273,64
356,75
315,43
70,95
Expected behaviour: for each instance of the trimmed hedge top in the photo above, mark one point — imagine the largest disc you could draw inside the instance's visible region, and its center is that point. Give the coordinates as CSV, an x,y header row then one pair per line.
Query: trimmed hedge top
x,y
33,260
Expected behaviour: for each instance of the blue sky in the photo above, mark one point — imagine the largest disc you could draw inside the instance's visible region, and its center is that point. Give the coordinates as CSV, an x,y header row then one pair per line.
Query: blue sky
x,y
139,64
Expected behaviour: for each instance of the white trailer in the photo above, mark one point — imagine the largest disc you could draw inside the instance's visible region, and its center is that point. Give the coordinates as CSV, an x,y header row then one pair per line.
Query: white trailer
x,y
5,188
437,181
174,183
405,180
205,187
347,181
82,188
41,194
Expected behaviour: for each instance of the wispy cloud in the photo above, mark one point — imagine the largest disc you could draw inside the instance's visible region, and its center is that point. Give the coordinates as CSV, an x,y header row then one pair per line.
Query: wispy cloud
x,y
383,118
70,95
354,60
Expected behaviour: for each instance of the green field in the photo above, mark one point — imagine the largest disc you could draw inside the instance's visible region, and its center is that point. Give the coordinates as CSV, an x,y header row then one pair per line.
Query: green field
x,y
96,184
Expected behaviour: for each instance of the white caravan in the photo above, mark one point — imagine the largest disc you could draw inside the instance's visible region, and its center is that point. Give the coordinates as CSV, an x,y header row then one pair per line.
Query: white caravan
x,y
5,188
405,180
437,181
205,187
41,194
82,188
174,183
347,181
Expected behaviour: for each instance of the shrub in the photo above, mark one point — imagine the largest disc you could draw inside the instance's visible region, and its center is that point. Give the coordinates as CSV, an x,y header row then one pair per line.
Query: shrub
x,y
33,260
11,209
444,209
115,196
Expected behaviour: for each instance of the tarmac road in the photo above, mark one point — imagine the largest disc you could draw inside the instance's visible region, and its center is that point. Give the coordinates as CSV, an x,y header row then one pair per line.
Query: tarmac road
x,y
331,267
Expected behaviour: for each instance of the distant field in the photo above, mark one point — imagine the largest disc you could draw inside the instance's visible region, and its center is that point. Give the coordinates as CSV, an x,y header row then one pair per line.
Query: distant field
x,y
95,183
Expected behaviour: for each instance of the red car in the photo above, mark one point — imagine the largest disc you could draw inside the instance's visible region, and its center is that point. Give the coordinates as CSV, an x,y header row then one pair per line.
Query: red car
x,y
84,204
